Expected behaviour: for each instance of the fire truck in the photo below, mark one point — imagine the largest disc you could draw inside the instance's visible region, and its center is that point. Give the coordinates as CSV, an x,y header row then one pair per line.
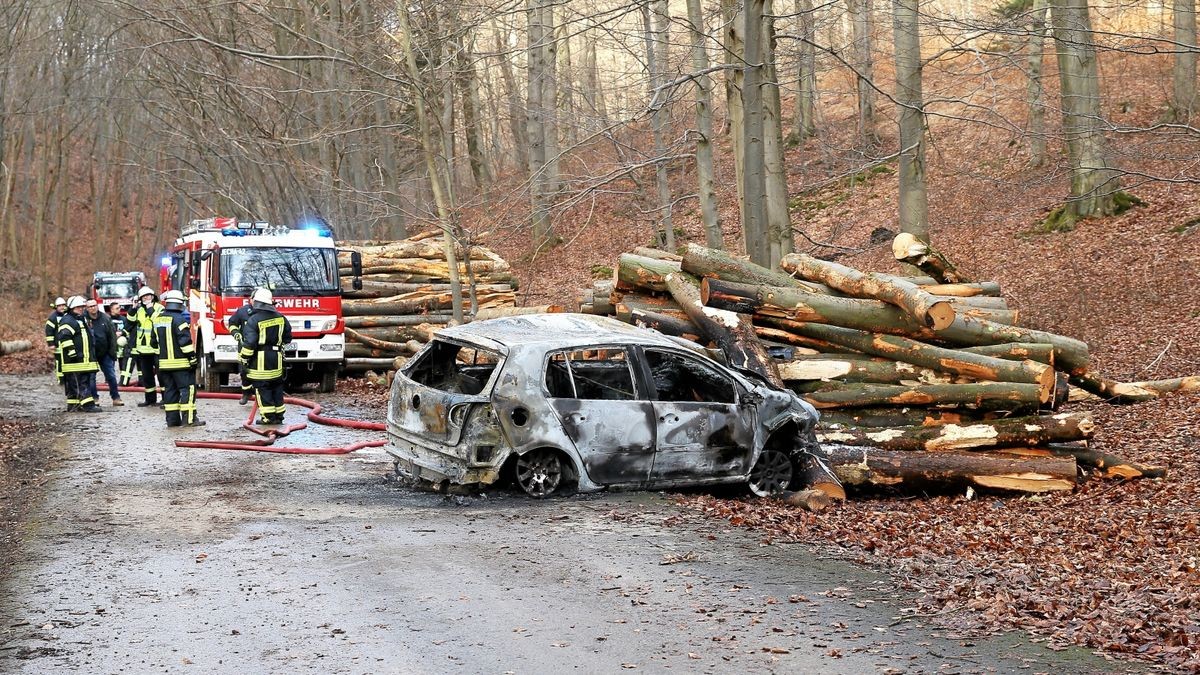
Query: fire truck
x,y
119,287
218,262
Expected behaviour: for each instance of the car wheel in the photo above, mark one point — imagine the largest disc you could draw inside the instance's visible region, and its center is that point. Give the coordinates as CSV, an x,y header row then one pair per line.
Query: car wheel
x,y
539,472
772,473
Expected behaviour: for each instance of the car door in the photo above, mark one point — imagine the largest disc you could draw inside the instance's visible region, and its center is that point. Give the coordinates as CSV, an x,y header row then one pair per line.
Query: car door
x,y
593,393
703,432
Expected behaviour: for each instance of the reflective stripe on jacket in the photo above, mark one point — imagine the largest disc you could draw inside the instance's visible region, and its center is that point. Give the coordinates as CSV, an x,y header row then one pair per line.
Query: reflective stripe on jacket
x,y
143,319
52,328
239,319
263,338
172,341
75,344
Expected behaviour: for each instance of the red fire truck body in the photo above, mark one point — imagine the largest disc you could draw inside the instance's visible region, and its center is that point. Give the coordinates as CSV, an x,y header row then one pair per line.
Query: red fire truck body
x,y
219,262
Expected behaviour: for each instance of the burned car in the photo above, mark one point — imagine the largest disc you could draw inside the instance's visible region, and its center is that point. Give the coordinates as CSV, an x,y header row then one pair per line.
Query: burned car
x,y
556,400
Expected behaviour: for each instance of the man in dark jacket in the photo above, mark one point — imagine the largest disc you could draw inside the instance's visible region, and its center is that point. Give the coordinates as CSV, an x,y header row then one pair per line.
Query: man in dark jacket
x,y
74,342
104,339
263,338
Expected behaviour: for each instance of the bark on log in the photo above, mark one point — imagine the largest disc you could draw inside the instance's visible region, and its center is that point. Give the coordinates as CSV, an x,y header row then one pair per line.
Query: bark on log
x,y
905,417
602,297
907,248
429,303
498,312
1017,351
1109,466
635,271
793,340
979,289
14,346
420,332
360,365
372,289
1070,355
631,302
993,434
385,321
403,248
860,370
666,324
659,254
356,350
869,467
406,347
929,310
708,262
1132,392
986,301
980,396
963,364
431,268
733,333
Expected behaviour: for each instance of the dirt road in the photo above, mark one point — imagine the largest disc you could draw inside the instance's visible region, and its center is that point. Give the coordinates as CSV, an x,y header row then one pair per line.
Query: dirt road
x,y
141,557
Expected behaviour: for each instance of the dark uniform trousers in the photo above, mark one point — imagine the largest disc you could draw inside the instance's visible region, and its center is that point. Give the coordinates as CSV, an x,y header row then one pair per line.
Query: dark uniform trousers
x,y
179,396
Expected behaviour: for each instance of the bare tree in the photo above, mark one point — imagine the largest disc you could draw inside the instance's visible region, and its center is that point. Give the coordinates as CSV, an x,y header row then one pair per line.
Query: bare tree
x,y
863,62
1183,75
804,123
914,209
704,128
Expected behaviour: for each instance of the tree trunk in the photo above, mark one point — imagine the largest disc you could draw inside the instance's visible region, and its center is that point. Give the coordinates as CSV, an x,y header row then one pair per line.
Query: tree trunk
x,y
635,271
734,43
1183,73
993,434
733,333
903,417
865,370
914,207
863,63
779,222
706,262
1017,351
536,118
755,226
962,364
468,89
864,467
929,310
804,123
517,122
654,23
1094,183
980,396
709,216
1036,91
909,247
550,96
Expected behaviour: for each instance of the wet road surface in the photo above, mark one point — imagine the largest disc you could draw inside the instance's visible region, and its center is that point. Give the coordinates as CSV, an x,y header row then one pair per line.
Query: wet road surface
x,y
142,557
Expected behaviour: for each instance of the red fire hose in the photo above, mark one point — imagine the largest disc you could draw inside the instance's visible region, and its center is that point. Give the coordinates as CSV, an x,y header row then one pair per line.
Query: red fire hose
x,y
270,435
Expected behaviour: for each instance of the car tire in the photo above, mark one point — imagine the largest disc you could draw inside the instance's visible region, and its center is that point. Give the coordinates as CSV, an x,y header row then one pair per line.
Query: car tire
x,y
540,473
773,473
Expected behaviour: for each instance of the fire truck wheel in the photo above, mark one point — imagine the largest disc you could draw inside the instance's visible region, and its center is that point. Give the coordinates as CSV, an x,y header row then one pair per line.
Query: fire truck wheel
x,y
328,381
210,379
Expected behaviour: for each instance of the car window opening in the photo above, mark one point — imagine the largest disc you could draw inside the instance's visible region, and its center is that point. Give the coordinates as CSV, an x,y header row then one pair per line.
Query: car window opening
x,y
454,369
680,378
590,374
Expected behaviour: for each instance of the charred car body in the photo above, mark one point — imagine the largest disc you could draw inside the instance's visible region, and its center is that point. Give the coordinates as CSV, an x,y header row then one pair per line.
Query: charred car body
x,y
564,399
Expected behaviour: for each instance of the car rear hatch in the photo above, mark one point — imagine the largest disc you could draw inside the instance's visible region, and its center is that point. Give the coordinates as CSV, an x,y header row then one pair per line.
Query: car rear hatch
x,y
435,395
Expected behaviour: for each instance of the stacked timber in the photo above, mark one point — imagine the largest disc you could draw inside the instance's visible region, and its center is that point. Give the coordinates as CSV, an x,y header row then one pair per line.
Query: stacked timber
x,y
921,381
406,295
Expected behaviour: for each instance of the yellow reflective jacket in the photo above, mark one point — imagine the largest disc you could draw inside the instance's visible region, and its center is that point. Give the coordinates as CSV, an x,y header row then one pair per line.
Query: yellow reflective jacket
x,y
141,324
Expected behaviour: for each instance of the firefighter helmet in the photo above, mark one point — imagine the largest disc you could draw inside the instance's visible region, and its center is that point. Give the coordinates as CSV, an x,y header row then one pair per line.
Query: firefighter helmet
x,y
145,290
59,301
173,300
262,298
76,301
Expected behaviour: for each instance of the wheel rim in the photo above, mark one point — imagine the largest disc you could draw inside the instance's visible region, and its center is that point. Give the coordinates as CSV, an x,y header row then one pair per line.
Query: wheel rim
x,y
772,474
539,473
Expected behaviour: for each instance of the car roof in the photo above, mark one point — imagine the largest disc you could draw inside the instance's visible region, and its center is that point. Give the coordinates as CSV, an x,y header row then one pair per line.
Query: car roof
x,y
553,331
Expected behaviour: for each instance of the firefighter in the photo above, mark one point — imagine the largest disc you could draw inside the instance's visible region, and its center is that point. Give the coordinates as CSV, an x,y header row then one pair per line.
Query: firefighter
x,y
263,338
239,319
79,364
177,361
60,310
140,322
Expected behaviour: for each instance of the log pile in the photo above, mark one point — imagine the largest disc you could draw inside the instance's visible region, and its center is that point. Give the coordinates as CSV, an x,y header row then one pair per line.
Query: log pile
x,y
406,296
922,382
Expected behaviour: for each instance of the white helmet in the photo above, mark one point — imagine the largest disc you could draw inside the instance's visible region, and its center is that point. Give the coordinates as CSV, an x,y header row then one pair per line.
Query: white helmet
x,y
262,295
59,301
145,290
76,301
172,296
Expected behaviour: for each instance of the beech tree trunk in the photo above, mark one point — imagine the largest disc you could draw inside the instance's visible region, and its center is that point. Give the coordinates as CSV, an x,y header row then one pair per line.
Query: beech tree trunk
x,y
868,467
755,226
980,395
993,434
635,271
1035,90
706,262
914,207
779,222
704,128
1094,183
733,40
536,118
927,309
733,333
904,417
804,123
850,369
863,62
655,23
910,247
1183,73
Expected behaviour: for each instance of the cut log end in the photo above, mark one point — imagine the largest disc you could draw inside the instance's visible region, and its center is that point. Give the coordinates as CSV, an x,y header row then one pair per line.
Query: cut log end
x,y
941,315
810,500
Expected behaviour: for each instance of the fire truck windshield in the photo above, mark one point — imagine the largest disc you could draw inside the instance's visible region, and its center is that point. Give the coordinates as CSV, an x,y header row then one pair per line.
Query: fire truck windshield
x,y
116,288
284,270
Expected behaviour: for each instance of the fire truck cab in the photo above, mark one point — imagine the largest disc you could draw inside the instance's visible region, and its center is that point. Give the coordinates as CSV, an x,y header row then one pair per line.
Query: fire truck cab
x,y
218,262
119,287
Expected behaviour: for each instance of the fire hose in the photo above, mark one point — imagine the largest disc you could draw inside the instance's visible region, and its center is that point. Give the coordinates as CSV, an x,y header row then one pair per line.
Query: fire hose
x,y
270,435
